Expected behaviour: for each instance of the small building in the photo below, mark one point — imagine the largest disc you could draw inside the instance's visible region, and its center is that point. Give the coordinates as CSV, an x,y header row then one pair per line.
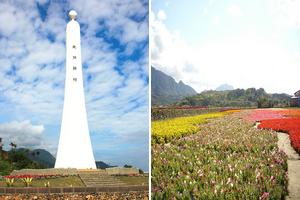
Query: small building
x,y
295,100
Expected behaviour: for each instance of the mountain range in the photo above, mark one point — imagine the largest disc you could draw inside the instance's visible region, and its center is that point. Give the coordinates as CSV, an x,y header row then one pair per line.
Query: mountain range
x,y
46,159
250,97
165,90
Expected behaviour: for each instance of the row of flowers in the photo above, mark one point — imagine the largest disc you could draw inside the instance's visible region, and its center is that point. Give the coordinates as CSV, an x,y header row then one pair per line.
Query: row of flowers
x,y
263,114
227,159
164,131
26,179
288,125
284,120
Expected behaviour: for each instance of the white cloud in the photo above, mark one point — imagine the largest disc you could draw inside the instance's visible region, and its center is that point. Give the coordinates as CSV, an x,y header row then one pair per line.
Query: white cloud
x,y
249,59
161,15
168,51
215,20
234,11
285,12
23,133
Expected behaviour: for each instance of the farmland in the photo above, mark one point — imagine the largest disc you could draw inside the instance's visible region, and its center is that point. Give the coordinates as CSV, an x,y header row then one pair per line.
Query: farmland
x,y
227,157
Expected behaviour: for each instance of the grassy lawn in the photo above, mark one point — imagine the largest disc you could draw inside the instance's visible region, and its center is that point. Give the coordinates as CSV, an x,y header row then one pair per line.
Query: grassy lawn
x,y
70,181
134,180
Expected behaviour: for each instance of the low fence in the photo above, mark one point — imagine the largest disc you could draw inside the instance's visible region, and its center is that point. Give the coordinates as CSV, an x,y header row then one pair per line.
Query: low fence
x,y
61,190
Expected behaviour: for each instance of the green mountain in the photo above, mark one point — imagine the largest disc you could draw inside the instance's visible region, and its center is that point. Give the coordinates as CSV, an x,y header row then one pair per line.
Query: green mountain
x,y
165,90
102,165
40,156
15,160
250,97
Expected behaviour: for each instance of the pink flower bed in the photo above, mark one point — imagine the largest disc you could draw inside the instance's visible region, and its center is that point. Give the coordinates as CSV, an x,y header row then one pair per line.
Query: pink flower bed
x,y
264,114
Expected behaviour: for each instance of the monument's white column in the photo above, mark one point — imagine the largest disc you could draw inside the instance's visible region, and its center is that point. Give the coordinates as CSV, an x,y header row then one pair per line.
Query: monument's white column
x,y
74,148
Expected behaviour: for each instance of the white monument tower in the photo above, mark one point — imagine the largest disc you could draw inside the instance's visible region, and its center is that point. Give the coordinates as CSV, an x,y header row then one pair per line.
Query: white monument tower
x,y
74,148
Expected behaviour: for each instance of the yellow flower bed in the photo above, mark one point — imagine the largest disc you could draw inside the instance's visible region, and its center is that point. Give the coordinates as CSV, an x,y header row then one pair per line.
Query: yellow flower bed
x,y
165,130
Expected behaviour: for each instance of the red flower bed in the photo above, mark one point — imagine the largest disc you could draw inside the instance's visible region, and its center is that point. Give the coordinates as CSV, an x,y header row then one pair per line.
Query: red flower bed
x,y
288,125
263,114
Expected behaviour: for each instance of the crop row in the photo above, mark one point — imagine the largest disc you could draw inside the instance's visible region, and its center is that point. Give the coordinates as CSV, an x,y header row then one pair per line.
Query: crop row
x,y
164,131
287,125
227,159
262,114
284,120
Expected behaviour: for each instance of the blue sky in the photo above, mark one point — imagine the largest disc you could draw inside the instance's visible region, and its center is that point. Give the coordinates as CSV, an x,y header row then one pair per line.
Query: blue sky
x,y
243,43
114,40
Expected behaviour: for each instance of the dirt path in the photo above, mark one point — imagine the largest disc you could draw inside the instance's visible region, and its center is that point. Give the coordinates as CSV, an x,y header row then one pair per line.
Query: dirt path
x,y
284,144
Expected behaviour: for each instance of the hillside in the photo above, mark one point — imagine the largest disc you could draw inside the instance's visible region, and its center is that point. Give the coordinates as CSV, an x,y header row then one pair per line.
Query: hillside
x,y
40,156
250,97
15,160
165,90
102,165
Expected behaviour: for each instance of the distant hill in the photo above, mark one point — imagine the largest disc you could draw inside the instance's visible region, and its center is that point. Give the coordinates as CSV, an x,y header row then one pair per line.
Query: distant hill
x,y
40,156
250,97
102,165
165,90
224,87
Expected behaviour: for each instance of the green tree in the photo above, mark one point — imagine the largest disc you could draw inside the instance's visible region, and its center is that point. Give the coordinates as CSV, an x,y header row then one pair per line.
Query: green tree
x,y
5,167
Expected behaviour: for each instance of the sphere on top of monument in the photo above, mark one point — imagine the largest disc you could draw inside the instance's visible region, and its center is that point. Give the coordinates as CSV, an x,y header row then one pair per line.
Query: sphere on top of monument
x,y
73,14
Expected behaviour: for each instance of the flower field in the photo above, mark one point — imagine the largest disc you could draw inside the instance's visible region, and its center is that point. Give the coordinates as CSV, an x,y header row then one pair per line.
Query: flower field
x,y
227,159
294,113
282,120
163,131
263,114
288,125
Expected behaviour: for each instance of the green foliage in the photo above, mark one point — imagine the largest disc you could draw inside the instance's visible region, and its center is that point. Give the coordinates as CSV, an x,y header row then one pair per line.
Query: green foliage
x,y
250,97
4,167
265,103
19,160
16,160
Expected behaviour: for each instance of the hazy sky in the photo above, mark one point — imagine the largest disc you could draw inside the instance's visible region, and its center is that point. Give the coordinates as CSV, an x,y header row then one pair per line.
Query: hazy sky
x,y
243,43
115,66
